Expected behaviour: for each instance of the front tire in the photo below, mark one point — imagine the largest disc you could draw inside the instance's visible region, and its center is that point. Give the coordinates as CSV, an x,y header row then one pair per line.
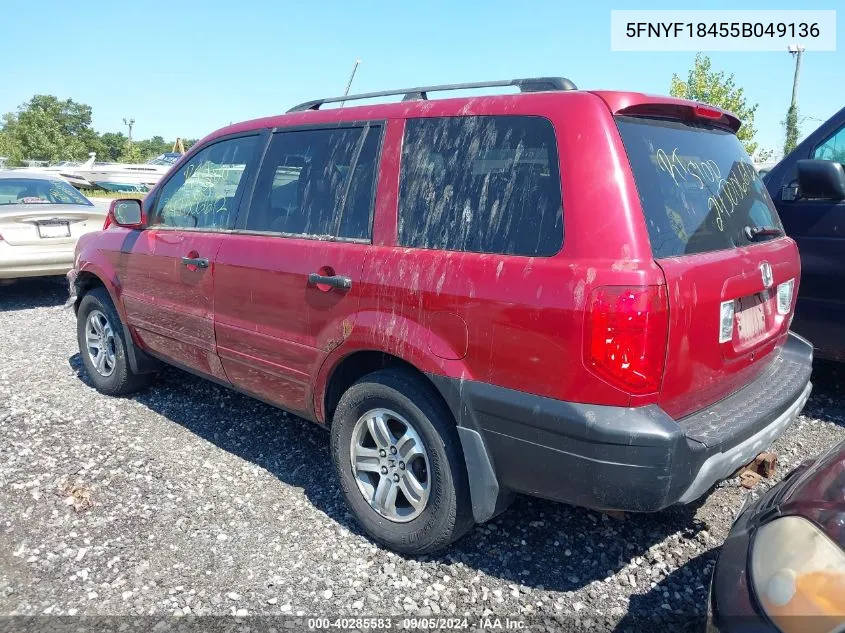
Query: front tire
x,y
102,346
399,463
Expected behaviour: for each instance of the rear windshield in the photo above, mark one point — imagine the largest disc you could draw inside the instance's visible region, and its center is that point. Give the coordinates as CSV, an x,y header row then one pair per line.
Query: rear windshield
x,y
698,187
39,191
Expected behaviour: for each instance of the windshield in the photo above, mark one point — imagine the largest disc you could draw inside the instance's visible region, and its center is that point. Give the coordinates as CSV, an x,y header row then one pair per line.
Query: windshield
x,y
698,187
39,191
165,159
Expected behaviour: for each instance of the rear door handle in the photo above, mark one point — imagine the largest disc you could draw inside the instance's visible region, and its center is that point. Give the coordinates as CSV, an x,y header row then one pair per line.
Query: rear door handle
x,y
199,262
335,281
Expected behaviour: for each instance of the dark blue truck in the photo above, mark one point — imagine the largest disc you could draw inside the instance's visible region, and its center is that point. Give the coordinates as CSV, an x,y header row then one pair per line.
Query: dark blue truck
x,y
808,189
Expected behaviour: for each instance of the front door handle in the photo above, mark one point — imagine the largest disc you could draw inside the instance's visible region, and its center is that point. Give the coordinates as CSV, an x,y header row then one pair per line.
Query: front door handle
x,y
199,262
335,281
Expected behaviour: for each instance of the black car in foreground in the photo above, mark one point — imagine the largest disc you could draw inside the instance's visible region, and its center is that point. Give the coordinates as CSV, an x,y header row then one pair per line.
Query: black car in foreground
x,y
782,568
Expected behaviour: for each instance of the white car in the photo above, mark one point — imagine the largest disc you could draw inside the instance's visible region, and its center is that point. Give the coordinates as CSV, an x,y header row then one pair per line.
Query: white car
x,y
41,218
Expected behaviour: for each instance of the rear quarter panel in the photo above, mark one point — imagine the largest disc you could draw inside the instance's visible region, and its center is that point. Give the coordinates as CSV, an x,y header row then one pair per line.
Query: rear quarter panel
x,y
523,316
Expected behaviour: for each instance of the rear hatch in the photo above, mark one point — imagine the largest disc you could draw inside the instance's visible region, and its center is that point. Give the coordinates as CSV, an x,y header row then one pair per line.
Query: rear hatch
x,y
717,237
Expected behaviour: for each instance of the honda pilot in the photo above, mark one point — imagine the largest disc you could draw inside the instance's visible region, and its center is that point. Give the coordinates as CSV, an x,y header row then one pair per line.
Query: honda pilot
x,y
583,296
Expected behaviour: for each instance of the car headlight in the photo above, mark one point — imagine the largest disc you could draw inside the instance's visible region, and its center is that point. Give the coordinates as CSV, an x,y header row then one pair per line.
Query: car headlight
x,y
798,576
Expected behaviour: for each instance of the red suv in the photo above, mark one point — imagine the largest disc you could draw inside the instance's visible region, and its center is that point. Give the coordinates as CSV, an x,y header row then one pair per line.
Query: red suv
x,y
584,296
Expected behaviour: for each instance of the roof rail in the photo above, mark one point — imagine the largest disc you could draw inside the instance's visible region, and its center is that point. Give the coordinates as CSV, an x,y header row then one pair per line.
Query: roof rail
x,y
536,84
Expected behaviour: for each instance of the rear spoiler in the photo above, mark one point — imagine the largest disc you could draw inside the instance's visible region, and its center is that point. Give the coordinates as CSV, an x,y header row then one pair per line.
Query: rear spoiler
x,y
637,104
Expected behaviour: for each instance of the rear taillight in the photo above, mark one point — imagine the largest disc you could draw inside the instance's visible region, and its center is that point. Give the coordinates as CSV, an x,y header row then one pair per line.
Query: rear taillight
x,y
785,296
727,310
626,335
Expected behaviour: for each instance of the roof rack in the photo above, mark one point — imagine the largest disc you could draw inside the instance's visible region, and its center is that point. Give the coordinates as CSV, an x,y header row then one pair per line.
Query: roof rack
x,y
536,84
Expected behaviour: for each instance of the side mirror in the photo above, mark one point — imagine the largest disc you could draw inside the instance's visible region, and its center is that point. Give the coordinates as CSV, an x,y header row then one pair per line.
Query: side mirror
x,y
128,213
821,179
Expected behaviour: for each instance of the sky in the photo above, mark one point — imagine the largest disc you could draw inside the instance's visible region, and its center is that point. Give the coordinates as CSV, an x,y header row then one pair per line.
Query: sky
x,y
185,68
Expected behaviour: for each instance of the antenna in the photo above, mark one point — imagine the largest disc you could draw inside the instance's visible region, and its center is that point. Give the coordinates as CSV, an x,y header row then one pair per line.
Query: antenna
x,y
351,77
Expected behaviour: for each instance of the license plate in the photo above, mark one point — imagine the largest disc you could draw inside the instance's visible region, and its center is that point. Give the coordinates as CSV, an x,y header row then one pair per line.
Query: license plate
x,y
57,229
751,318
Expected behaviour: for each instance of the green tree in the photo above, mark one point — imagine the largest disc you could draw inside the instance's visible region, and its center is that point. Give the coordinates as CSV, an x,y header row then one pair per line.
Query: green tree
x,y
9,146
114,144
47,128
719,89
50,129
764,155
152,147
791,125
131,153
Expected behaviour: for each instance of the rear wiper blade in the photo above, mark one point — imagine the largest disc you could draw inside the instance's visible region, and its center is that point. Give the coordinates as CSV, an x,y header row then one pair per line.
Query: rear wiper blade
x,y
754,233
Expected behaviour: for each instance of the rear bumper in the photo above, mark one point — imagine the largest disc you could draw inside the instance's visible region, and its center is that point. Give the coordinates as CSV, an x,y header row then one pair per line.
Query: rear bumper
x,y
614,458
720,464
20,261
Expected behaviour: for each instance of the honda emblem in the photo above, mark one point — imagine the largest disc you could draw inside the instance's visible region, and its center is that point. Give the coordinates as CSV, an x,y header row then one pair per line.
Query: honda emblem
x,y
766,272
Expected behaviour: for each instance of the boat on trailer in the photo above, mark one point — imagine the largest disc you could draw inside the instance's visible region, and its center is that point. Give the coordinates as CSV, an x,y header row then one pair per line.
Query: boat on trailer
x,y
122,176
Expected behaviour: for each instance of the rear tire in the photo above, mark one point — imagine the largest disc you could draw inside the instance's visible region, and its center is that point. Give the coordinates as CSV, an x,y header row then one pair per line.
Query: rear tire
x,y
425,516
102,346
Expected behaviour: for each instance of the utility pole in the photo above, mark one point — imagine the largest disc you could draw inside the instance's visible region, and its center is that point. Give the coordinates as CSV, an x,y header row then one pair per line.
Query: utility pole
x,y
129,123
797,52
351,77
792,114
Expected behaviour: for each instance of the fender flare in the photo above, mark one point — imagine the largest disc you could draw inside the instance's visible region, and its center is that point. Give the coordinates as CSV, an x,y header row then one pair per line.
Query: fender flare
x,y
139,361
406,340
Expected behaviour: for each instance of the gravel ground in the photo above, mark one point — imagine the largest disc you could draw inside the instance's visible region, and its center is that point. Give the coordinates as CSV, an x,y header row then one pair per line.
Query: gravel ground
x,y
190,498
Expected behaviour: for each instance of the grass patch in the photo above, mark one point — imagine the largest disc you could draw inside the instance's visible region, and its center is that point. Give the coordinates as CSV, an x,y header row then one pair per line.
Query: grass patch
x,y
111,195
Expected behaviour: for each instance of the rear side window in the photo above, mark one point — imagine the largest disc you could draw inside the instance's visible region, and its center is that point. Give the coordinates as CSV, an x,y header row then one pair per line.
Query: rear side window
x,y
317,183
356,215
698,187
484,184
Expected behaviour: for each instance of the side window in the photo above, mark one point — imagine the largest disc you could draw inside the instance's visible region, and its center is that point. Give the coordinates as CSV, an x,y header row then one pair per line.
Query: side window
x,y
356,219
317,182
203,193
833,148
484,184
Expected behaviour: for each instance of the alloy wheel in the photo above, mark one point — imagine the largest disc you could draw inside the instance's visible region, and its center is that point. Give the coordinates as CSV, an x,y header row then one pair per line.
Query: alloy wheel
x,y
99,342
390,465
